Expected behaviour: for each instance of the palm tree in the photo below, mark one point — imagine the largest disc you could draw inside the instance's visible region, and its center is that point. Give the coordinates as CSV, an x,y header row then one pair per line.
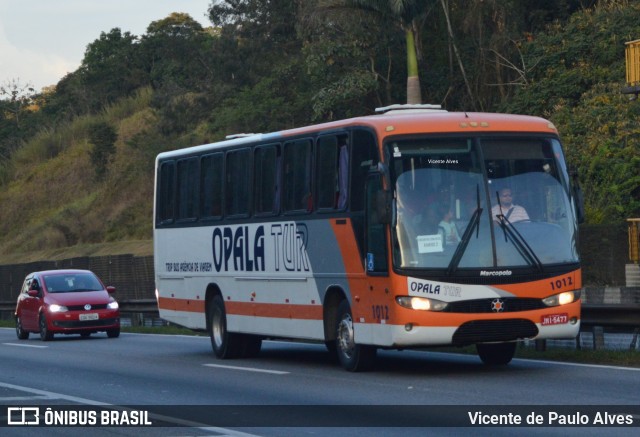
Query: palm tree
x,y
409,16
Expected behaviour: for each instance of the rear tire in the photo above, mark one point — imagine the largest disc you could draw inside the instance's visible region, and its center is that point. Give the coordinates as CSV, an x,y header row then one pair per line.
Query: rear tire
x,y
496,354
20,332
225,344
113,333
353,357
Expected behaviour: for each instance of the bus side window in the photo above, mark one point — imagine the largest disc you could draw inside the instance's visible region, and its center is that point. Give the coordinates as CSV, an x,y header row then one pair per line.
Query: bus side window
x,y
166,196
266,180
187,189
332,160
238,183
211,173
296,187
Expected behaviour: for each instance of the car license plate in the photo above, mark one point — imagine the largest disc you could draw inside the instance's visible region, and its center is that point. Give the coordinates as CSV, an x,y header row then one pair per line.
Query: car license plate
x,y
555,319
89,316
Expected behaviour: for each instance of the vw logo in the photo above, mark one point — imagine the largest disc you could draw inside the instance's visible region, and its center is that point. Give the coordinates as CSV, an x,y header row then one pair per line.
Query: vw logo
x,y
87,307
497,305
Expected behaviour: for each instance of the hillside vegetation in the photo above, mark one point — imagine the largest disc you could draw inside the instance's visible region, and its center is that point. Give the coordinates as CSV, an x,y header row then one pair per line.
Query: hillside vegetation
x,y
268,65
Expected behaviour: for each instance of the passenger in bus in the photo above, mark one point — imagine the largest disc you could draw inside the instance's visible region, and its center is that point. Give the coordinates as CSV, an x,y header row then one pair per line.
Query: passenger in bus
x,y
447,224
509,210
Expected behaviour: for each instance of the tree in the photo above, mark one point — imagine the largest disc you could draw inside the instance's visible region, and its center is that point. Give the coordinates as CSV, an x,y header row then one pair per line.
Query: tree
x,y
111,69
409,16
16,97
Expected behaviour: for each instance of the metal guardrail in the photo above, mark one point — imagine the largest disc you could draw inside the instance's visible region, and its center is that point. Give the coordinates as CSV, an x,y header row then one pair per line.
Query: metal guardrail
x,y
610,315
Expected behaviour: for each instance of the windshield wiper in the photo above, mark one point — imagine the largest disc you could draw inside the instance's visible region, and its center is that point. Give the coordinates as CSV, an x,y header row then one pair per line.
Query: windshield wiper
x,y
466,236
519,242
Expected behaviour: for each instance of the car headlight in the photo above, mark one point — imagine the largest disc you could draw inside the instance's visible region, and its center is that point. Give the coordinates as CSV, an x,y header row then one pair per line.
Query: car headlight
x,y
421,303
561,298
55,308
113,305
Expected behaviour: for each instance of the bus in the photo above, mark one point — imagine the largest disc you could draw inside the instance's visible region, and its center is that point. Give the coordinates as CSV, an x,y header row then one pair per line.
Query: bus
x,y
388,231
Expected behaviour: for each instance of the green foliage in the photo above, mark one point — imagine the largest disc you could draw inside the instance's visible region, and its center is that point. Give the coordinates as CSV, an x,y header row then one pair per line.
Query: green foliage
x,y
576,82
102,136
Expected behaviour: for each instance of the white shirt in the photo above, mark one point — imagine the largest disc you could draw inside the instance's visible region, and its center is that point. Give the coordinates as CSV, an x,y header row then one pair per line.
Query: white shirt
x,y
514,213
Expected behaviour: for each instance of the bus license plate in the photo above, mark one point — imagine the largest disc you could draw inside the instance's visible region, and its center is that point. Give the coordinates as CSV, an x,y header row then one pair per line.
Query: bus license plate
x,y
90,316
555,319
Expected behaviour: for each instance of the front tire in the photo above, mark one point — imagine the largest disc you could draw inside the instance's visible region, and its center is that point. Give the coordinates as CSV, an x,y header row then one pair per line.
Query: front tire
x,y
20,332
45,334
353,357
496,354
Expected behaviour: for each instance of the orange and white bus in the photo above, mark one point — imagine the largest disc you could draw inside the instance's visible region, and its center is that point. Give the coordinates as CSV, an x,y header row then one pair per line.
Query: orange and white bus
x,y
414,227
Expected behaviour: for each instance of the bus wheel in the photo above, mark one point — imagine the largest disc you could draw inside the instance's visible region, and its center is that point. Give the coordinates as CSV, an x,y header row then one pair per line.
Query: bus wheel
x,y
353,357
496,354
224,344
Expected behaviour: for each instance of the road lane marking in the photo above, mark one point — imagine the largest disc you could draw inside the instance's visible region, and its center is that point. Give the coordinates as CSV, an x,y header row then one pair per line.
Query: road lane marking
x,y
248,369
25,345
595,366
52,395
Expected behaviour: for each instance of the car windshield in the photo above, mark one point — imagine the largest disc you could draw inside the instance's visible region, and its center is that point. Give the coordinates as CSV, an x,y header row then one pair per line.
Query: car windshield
x,y
481,203
74,282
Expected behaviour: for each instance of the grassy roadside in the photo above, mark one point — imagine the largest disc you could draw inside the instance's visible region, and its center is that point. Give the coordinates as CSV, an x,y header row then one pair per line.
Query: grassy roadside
x,y
623,358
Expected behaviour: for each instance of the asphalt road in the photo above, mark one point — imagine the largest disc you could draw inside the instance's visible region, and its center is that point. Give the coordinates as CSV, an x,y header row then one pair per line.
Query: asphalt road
x,y
296,389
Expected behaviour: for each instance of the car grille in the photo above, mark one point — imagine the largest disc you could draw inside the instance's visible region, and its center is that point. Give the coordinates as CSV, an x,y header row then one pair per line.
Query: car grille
x,y
494,330
508,305
81,307
85,323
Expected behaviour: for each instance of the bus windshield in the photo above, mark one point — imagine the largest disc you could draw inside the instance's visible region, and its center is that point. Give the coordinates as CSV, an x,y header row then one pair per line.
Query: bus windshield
x,y
481,203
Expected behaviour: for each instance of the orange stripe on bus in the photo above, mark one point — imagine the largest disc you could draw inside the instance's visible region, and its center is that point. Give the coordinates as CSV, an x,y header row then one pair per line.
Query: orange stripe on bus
x,y
275,310
348,248
282,311
188,305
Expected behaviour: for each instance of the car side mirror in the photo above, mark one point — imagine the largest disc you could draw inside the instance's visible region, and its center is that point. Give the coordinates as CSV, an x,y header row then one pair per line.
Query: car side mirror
x,y
33,293
111,289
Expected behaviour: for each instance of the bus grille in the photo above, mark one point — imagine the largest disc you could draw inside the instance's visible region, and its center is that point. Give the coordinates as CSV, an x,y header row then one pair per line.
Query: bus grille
x,y
494,330
509,305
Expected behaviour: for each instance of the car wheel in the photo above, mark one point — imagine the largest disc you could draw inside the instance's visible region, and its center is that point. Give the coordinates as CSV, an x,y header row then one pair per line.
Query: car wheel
x,y
113,333
20,332
45,334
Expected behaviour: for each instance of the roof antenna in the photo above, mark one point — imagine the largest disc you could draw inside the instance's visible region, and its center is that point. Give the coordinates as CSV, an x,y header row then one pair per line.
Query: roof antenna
x,y
466,115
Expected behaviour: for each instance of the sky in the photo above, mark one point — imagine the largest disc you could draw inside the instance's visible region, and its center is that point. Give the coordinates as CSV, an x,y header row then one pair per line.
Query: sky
x,y
43,40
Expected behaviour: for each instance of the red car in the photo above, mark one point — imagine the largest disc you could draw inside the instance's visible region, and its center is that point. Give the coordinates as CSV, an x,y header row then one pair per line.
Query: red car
x,y
66,302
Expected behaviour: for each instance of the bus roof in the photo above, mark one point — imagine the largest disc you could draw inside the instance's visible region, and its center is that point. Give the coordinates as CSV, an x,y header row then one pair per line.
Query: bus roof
x,y
397,123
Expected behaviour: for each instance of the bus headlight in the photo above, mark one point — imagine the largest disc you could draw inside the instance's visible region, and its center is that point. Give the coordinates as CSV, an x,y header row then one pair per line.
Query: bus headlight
x,y
420,303
561,298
